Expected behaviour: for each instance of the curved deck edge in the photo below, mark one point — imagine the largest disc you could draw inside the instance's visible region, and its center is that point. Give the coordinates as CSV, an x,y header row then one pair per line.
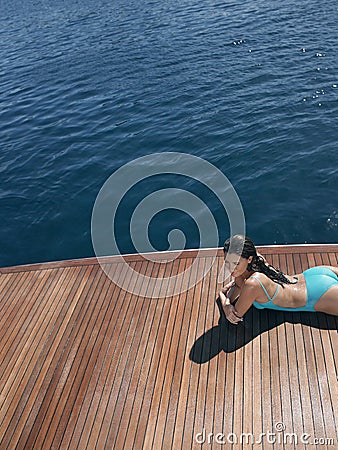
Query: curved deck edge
x,y
170,255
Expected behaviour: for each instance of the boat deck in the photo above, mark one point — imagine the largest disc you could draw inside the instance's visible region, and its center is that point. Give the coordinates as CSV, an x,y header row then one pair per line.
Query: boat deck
x,y
85,364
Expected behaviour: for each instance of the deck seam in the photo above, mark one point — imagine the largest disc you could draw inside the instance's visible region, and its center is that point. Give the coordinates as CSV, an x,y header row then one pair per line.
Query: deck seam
x,y
158,311
192,332
69,336
43,283
90,418
175,369
146,314
86,343
162,340
96,282
123,360
109,373
166,385
34,374
202,326
66,334
28,350
150,427
198,288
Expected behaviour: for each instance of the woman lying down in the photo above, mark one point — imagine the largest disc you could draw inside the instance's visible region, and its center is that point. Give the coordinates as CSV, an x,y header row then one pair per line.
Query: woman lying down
x,y
260,284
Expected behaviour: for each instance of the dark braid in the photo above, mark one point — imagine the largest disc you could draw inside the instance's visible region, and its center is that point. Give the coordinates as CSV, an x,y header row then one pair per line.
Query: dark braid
x,y
244,247
259,265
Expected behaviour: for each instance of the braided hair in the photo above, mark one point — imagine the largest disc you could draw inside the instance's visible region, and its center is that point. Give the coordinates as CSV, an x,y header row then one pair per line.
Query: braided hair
x,y
244,247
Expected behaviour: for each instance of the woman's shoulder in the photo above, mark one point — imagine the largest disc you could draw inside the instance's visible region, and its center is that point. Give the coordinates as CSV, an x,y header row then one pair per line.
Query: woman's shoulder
x,y
257,278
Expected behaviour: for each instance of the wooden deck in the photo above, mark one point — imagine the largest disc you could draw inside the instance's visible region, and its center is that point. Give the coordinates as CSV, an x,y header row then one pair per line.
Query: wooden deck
x,y
87,365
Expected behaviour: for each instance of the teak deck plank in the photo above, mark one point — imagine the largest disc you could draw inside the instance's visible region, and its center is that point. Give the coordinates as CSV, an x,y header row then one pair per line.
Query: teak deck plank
x,y
85,364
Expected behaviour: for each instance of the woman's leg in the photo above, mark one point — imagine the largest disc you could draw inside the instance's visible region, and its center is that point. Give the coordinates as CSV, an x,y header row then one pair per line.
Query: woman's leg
x,y
328,302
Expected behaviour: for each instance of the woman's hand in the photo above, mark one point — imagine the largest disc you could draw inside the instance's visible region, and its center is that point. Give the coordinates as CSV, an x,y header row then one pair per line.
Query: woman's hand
x,y
225,290
224,299
229,309
244,298
232,315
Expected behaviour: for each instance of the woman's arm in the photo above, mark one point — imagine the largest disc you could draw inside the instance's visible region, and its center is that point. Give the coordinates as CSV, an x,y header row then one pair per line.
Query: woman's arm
x,y
229,293
235,313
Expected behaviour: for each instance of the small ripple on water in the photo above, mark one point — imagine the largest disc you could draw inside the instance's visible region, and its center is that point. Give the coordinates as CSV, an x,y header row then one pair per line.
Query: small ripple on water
x,y
332,221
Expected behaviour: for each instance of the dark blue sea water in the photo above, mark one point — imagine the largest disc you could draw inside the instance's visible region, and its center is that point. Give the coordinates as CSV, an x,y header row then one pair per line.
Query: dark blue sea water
x,y
87,86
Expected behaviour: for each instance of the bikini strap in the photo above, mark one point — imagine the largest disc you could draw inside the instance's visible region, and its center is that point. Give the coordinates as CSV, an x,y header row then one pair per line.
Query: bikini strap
x,y
265,291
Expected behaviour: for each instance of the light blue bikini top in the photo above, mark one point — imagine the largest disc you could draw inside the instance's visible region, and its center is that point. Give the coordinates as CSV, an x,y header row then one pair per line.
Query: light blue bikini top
x,y
270,303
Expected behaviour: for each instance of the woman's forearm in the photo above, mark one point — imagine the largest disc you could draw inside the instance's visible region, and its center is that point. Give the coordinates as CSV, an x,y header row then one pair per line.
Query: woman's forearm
x,y
233,293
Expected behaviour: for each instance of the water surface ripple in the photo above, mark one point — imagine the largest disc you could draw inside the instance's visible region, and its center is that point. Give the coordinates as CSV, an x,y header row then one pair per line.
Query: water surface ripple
x,y
88,86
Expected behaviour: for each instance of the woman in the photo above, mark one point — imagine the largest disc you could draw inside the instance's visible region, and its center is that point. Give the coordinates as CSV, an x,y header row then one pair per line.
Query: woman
x,y
260,284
